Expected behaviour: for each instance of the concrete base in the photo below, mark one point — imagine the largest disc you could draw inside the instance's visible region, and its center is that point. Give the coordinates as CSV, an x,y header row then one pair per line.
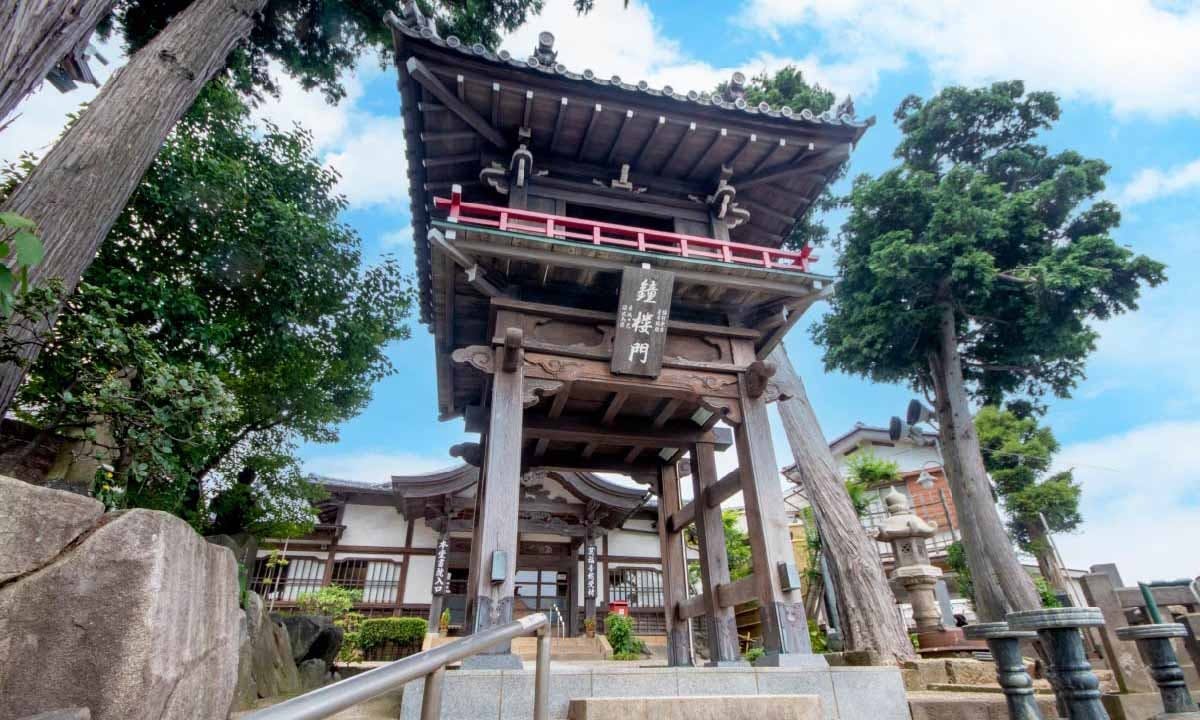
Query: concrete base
x,y
798,661
779,707
846,693
503,661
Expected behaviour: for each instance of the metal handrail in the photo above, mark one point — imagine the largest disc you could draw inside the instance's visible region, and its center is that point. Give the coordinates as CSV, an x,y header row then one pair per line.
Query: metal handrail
x,y
431,664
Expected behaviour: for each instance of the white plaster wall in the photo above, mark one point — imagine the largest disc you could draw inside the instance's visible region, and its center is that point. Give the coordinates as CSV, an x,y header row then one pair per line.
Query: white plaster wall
x,y
423,535
637,544
373,525
420,576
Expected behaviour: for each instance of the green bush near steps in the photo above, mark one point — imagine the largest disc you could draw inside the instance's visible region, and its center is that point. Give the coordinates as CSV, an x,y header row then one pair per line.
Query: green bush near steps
x,y
619,631
400,630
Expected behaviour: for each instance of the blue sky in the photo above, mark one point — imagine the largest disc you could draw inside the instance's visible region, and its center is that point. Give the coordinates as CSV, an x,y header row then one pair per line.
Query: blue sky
x,y
1129,78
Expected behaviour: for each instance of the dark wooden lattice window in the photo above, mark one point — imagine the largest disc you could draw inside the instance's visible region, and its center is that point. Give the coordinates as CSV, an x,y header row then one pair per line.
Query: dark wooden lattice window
x,y
640,587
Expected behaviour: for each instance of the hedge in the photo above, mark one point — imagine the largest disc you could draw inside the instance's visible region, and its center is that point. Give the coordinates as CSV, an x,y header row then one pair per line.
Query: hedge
x,y
401,630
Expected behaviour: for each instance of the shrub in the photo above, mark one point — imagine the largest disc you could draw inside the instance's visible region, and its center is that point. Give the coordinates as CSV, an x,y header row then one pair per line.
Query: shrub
x,y
619,631
754,653
1046,592
400,630
817,638
334,601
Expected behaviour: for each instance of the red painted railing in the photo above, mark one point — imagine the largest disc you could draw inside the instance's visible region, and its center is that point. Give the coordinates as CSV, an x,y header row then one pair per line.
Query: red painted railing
x,y
624,236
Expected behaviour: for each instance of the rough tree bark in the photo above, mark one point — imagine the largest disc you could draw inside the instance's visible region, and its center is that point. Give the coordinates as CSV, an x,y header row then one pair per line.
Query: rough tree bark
x,y
1001,583
868,608
1046,559
37,34
78,190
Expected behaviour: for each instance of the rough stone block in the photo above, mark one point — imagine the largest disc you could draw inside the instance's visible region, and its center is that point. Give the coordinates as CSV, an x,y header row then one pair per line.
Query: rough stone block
x,y
466,695
929,671
565,684
876,693
36,523
970,672
968,706
717,681
139,621
783,681
784,707
635,682
67,714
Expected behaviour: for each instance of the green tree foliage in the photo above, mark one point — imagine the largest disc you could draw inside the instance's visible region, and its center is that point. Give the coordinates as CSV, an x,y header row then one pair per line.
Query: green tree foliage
x,y
956,560
1017,453
318,41
18,240
979,216
787,86
400,630
229,263
867,471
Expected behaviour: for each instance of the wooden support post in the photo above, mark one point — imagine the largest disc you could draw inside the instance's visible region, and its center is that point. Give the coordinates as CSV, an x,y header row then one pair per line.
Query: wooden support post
x,y
714,563
784,625
491,583
674,569
1122,655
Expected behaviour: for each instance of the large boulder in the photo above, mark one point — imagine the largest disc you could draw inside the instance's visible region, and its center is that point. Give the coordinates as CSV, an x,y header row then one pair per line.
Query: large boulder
x,y
138,619
313,674
314,637
272,667
37,523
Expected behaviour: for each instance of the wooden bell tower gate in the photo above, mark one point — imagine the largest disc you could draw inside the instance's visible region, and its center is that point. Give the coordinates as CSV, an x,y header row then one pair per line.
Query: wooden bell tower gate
x,y
599,263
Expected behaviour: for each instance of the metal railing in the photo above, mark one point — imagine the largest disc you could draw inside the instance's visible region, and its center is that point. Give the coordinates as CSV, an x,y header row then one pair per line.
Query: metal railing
x,y
595,232
431,665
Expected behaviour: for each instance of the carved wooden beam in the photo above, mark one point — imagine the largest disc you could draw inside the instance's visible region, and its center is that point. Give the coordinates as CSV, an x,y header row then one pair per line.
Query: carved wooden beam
x,y
513,353
616,143
469,452
534,389
757,375
468,114
625,434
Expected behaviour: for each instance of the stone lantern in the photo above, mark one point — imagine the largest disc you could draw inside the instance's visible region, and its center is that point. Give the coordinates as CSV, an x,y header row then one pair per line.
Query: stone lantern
x,y
907,534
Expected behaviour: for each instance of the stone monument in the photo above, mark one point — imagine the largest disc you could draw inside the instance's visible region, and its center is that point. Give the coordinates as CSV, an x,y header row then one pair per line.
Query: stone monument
x,y
907,534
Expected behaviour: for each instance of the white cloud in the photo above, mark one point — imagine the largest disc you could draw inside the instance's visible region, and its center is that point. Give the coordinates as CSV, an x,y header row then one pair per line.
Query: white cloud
x,y
370,159
397,238
628,42
374,467
1135,56
1151,183
1140,503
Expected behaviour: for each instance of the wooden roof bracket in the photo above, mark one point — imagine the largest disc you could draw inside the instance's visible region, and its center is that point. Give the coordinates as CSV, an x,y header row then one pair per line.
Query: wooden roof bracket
x,y
468,114
477,276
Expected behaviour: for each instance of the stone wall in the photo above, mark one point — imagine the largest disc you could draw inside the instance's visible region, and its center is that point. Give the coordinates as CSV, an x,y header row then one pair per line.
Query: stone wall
x,y
130,614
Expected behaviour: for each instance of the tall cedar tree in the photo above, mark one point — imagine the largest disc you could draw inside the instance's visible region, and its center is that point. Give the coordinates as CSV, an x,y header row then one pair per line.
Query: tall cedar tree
x,y
865,602
77,191
231,259
1017,453
974,270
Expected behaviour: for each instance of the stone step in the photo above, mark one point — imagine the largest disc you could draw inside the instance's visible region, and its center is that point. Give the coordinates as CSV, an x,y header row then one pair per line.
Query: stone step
x,y
726,707
576,649
936,705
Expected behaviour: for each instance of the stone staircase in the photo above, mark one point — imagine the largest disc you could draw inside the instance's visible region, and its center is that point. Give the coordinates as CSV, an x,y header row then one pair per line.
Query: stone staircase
x,y
571,649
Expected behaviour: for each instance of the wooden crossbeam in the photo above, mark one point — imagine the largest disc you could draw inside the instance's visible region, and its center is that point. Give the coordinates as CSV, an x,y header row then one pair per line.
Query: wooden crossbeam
x,y
704,156
625,434
495,104
718,493
612,149
649,141
614,406
691,128
747,145
451,136
591,127
809,165
633,453
666,410
560,401
465,112
528,113
571,462
775,149
471,157
728,595
540,448
757,208
559,119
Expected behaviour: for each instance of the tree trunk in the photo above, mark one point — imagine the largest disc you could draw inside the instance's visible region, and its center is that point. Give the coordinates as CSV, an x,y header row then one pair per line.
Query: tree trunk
x,y
1046,559
37,35
78,190
1001,583
869,619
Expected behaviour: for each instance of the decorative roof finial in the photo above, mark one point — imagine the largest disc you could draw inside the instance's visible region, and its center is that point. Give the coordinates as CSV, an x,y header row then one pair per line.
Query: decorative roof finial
x,y
544,52
846,107
736,89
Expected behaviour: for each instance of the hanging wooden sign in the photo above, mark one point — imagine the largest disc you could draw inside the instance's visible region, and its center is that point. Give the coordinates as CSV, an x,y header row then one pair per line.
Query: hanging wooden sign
x,y
643,310
441,567
589,574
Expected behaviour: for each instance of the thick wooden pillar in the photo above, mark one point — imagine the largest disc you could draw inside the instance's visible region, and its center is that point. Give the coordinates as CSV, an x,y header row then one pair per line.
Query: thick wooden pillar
x,y
784,624
714,563
494,545
435,614
674,569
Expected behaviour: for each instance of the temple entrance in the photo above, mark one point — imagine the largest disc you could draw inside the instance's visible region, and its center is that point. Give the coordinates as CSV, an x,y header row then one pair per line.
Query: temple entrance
x,y
541,590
